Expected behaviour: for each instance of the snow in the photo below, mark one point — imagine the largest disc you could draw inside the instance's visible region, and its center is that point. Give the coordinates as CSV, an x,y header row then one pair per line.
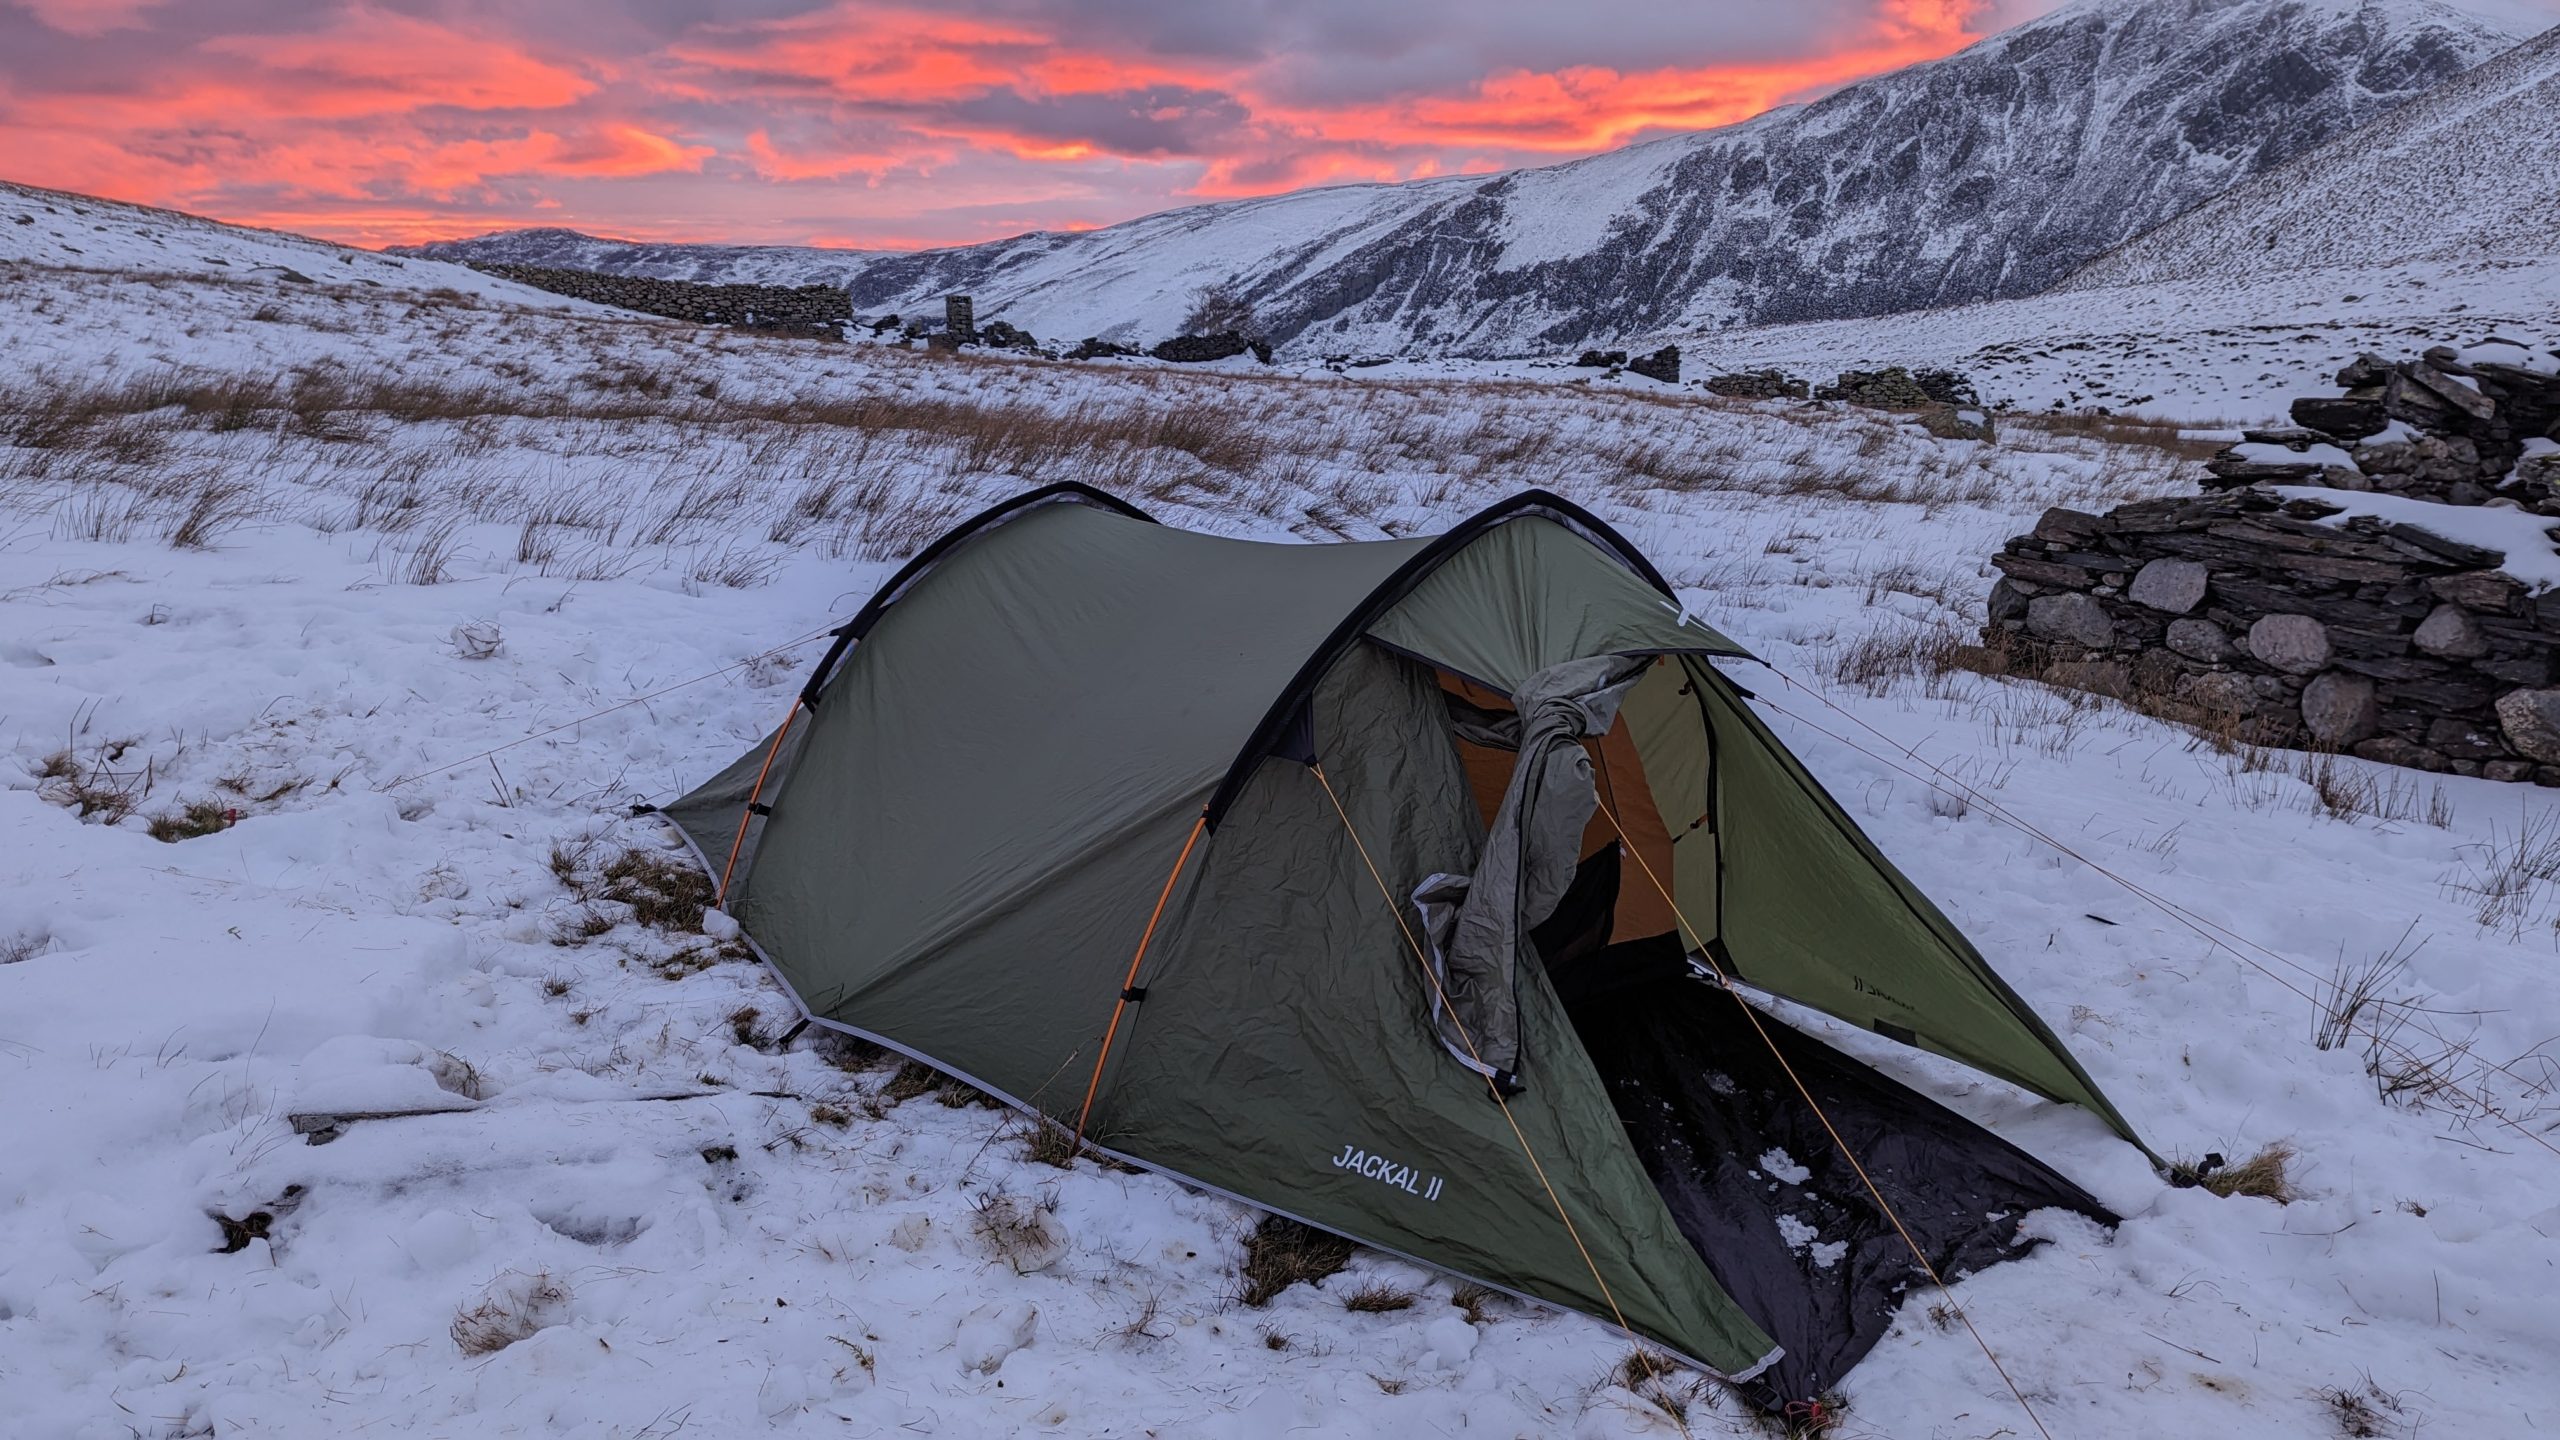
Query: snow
x,y
626,1209
1783,1167
2524,537
2307,455
1992,171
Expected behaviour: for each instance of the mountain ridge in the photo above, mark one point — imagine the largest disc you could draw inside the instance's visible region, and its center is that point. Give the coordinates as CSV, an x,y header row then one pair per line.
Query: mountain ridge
x,y
1990,173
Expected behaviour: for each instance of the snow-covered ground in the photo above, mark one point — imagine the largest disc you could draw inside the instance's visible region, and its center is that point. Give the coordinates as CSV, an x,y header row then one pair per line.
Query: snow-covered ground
x,y
404,599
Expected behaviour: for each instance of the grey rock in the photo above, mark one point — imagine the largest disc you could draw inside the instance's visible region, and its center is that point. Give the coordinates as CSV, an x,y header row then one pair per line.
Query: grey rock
x,y
2530,719
2507,770
2200,640
2008,602
2452,634
2338,708
2392,750
2176,586
2220,690
2075,619
2346,419
2294,644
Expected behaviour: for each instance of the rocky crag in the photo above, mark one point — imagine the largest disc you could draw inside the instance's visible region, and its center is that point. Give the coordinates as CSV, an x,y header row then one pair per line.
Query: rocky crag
x,y
2335,585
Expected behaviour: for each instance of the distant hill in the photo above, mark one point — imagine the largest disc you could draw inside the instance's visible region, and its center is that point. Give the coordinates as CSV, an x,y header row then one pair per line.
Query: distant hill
x,y
1993,172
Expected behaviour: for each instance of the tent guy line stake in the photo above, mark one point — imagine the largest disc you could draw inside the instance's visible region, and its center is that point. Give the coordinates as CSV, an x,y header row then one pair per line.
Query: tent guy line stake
x,y
2202,927
1726,983
1129,987
1517,1133
609,709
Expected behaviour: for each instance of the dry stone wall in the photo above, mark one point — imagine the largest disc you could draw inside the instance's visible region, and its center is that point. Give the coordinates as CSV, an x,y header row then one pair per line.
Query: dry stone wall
x,y
806,309
2295,620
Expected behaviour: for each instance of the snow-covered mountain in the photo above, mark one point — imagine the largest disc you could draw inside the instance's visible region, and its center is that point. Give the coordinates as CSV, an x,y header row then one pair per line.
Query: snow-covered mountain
x,y
1990,173
2468,172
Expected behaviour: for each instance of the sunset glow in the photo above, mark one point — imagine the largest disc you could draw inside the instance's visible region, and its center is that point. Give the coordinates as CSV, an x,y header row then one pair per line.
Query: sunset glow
x,y
865,123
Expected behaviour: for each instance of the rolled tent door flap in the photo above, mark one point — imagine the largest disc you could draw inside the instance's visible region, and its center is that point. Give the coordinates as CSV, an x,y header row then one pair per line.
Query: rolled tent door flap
x,y
1478,925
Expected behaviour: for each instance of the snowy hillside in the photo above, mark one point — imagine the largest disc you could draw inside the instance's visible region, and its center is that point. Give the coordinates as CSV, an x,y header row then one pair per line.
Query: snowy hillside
x,y
2207,349
1993,172
2469,172
54,228
342,625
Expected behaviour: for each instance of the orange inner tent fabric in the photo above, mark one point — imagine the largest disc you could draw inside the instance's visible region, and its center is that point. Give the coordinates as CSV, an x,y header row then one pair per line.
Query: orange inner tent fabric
x,y
1619,775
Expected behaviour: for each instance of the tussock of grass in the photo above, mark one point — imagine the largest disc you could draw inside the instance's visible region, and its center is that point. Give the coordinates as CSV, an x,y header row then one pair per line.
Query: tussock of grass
x,y
1378,1298
1281,1253
198,818
663,894
512,1309
2262,1175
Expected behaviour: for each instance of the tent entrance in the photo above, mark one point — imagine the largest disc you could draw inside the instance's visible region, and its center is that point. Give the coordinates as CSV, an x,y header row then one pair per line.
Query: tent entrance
x,y
1746,1166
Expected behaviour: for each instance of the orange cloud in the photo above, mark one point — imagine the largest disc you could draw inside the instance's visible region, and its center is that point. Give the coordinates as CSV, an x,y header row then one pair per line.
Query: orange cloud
x,y
370,58
880,123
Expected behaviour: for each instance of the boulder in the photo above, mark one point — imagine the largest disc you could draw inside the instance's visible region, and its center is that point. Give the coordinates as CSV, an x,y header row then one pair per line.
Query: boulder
x,y
2220,691
2008,602
2072,618
2294,644
2339,708
2450,633
2392,750
2201,640
1600,359
2173,586
2530,719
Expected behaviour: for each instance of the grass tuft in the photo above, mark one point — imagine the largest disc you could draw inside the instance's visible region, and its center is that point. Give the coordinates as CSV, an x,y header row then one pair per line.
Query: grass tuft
x,y
1281,1253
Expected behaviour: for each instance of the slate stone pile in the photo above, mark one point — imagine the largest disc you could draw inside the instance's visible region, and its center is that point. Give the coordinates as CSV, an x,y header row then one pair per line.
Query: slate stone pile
x,y
1194,349
802,309
2454,426
1769,384
1895,388
1662,364
2294,620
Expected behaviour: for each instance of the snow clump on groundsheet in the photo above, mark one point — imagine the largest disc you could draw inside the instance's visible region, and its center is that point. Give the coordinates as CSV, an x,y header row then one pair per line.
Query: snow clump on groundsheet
x,y
342,625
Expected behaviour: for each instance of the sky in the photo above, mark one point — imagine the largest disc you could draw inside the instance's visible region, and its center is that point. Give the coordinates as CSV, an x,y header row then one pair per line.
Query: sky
x,y
871,124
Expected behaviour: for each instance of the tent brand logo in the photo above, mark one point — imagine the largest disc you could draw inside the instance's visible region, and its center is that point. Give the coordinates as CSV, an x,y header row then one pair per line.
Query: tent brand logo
x,y
1860,984
1387,1172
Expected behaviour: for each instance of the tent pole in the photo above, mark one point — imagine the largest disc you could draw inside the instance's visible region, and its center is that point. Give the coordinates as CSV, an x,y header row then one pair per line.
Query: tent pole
x,y
754,798
1129,991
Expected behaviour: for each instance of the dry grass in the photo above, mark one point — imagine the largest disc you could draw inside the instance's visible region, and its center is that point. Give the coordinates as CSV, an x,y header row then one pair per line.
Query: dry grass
x,y
2365,1411
24,945
663,894
1379,1298
2263,1175
1281,1253
1019,1232
197,818
513,1307
2147,432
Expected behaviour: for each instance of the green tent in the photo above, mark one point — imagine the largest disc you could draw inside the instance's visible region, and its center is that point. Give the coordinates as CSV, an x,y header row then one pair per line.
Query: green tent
x,y
1132,827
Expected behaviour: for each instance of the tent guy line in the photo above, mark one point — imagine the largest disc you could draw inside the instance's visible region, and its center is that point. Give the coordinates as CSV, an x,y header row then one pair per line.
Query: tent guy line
x,y
1725,983
2203,927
